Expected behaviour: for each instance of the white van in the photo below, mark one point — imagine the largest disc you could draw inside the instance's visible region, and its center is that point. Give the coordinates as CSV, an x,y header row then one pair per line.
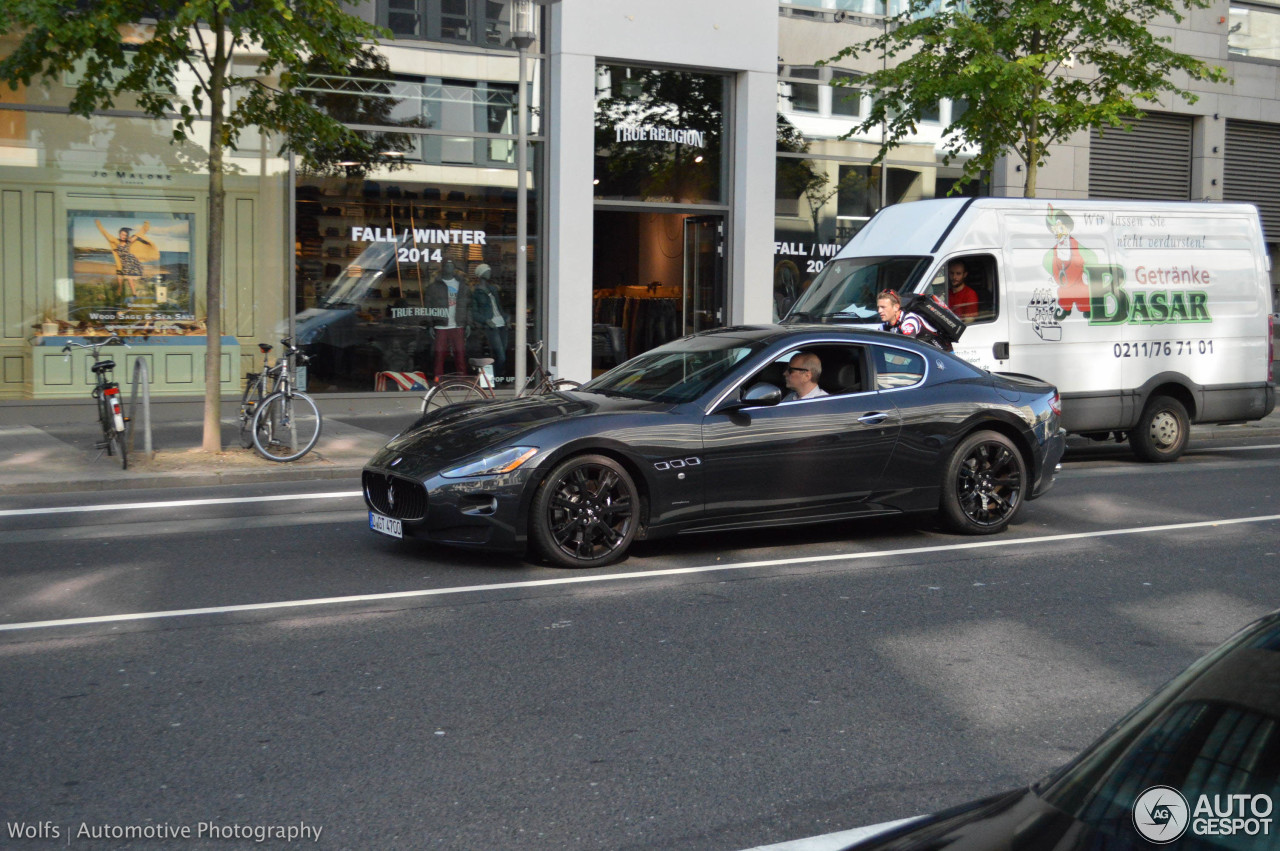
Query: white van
x,y
1147,316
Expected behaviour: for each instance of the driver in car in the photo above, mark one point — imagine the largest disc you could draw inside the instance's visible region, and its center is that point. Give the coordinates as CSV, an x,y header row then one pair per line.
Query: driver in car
x,y
802,377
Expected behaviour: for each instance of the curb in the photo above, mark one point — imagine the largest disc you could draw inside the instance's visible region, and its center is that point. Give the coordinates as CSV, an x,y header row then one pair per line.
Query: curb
x,y
142,481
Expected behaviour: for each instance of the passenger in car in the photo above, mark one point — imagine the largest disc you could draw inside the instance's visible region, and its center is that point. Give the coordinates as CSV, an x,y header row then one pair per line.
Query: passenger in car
x,y
802,374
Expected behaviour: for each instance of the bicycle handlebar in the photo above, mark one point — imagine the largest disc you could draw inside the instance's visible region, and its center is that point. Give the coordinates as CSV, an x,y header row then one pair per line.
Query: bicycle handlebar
x,y
290,350
114,338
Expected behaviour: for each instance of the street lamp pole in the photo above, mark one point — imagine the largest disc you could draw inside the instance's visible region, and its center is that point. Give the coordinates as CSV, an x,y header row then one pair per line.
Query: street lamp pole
x,y
522,33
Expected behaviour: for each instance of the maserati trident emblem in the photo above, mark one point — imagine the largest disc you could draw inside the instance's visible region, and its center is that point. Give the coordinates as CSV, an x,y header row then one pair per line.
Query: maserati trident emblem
x,y
391,493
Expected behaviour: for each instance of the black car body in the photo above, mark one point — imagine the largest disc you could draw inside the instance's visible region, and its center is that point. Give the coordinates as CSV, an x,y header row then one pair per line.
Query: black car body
x,y
694,436
1195,766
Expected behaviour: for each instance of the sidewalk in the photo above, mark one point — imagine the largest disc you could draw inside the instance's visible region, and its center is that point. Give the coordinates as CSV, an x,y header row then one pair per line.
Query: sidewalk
x,y
57,455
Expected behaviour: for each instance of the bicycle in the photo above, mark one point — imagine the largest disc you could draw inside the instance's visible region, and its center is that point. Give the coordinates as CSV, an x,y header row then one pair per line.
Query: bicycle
x,y
452,389
279,421
107,393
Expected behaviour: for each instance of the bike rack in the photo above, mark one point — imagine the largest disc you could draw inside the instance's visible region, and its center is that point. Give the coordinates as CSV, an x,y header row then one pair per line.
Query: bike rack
x,y
142,376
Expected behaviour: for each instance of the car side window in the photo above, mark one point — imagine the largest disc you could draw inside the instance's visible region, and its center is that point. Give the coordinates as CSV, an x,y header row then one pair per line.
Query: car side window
x,y
844,368
896,368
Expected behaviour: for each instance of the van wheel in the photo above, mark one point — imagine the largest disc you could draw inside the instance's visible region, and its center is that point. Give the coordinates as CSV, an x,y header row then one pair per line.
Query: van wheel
x,y
983,485
1162,431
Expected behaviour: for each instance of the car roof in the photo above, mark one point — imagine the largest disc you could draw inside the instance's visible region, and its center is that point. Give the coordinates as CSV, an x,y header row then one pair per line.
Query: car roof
x,y
770,333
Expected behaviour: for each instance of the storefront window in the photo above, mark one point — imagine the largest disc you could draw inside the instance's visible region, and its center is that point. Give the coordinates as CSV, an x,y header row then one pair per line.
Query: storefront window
x,y
464,107
405,275
660,135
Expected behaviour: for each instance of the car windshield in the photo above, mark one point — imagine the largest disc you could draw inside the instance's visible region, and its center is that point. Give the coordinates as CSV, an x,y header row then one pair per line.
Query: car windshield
x,y
1214,730
677,372
845,290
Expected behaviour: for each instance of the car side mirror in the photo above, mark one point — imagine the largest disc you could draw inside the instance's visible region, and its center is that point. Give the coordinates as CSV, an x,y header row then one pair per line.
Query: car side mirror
x,y
761,394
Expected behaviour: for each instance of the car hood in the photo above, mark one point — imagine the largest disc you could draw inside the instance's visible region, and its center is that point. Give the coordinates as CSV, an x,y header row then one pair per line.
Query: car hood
x,y
453,433
1016,819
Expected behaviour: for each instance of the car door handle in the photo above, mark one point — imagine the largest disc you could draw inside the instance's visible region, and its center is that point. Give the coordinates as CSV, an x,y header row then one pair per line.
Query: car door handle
x,y
873,418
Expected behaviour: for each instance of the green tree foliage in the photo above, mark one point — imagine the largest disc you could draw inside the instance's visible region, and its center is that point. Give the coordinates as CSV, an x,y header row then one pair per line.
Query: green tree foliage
x,y
1031,72
235,64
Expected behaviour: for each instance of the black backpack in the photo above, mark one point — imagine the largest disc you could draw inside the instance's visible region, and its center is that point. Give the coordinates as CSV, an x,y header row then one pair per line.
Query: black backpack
x,y
948,325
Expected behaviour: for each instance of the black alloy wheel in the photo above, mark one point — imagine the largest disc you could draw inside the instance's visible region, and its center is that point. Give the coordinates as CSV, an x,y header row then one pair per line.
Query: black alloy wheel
x,y
586,512
984,483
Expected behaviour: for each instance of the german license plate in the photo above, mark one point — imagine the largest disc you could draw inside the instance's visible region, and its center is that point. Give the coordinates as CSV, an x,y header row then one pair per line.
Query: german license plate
x,y
386,525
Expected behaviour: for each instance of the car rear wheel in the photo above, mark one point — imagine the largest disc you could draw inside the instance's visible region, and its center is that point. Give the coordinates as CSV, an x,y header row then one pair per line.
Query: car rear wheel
x,y
1162,431
585,512
984,483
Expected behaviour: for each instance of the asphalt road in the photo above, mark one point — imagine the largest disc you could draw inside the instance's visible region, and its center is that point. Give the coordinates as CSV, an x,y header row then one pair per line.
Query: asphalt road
x,y
279,665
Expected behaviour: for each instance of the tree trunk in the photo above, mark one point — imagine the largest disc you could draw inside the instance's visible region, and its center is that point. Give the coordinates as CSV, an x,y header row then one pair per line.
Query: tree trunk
x,y
212,441
1029,190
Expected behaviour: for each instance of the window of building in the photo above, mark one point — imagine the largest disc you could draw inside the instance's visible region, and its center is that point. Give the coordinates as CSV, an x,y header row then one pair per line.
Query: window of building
x,y
486,23
378,262
660,135
809,90
1254,32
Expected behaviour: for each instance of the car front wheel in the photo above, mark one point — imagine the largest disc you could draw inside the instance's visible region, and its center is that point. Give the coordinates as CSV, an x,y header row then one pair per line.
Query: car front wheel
x,y
586,512
984,483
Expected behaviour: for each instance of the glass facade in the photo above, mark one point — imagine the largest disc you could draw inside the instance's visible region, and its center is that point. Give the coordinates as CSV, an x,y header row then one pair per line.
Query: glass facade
x,y
661,192
660,135
411,268
826,187
105,223
411,272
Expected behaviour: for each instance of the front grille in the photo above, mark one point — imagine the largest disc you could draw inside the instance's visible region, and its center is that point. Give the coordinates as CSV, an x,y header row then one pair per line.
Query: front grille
x,y
393,496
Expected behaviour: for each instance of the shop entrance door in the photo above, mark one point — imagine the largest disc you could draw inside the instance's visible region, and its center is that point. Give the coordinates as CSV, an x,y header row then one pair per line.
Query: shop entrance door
x,y
657,275
703,297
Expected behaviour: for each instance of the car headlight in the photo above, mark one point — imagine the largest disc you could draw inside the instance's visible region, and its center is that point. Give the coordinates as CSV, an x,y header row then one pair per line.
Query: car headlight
x,y
491,465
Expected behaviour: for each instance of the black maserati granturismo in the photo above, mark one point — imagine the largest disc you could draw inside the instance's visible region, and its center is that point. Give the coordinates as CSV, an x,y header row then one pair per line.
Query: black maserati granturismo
x,y
700,435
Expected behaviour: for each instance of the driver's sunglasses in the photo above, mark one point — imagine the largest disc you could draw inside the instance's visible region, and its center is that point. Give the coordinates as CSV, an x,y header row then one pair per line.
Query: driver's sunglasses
x,y
796,369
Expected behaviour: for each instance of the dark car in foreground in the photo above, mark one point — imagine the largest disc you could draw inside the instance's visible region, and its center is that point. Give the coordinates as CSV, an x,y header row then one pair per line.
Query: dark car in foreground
x,y
1195,766
697,436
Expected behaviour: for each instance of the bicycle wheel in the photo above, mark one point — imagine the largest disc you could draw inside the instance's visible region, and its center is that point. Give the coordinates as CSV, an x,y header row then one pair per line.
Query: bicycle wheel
x,y
117,443
112,441
285,427
249,404
451,392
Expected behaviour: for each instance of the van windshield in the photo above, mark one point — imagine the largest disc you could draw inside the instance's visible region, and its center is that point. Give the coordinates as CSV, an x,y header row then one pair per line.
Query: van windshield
x,y
353,285
846,289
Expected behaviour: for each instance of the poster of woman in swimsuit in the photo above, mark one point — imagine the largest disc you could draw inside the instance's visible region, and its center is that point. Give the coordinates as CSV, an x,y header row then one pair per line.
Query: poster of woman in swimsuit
x,y
131,273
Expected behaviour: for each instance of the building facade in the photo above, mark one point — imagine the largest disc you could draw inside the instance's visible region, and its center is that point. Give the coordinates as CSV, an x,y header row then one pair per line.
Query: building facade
x,y
682,177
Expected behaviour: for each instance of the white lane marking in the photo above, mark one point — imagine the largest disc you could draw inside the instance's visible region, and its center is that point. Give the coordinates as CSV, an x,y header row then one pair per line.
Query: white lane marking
x,y
835,841
175,503
614,577
1208,449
